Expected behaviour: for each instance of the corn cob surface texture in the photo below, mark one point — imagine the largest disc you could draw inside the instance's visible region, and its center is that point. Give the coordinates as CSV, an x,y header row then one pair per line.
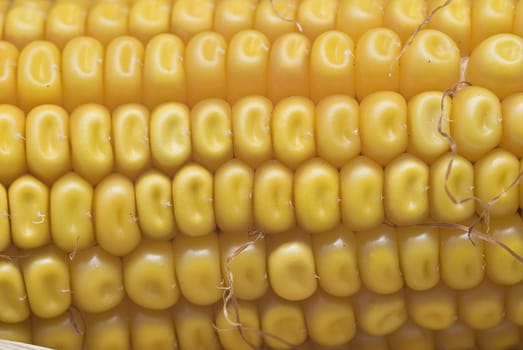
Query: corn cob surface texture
x,y
274,174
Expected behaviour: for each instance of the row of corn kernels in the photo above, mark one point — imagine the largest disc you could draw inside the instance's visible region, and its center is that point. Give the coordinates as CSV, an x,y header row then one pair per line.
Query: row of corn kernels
x,y
437,318
154,273
272,198
467,22
165,70
254,130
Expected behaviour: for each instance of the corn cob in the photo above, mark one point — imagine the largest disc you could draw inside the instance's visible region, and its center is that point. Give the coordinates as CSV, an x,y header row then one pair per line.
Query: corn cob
x,y
288,210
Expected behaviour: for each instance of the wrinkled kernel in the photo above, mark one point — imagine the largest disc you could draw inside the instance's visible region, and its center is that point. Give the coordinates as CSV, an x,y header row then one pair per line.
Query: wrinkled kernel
x,y
435,57
331,65
475,121
383,126
378,259
497,64
376,63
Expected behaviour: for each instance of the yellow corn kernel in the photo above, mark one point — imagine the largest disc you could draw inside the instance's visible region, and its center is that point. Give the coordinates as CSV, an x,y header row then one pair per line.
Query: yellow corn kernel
x,y
231,17
20,332
130,134
356,17
148,273
336,129
123,68
404,17
378,259
379,314
406,190
107,20
47,145
170,140
154,205
272,203
331,65
336,262
475,121
247,63
62,332
376,63
243,257
366,341
383,126
514,303
116,226
148,18
316,196
432,55
197,266
38,77
454,20
434,309
108,330
503,336
192,191
451,192
8,62
496,64
251,129
292,129
497,13
163,71
290,265
190,17
317,17
282,322
230,338
211,133
501,268
104,273
71,202
424,121
65,21
456,337
330,320
512,126
14,307
47,281
493,174
82,65
361,192
411,336
194,326
205,66
5,230
90,137
481,307
233,189
419,256
461,262
24,24
288,73
28,201
152,329
275,18
12,145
